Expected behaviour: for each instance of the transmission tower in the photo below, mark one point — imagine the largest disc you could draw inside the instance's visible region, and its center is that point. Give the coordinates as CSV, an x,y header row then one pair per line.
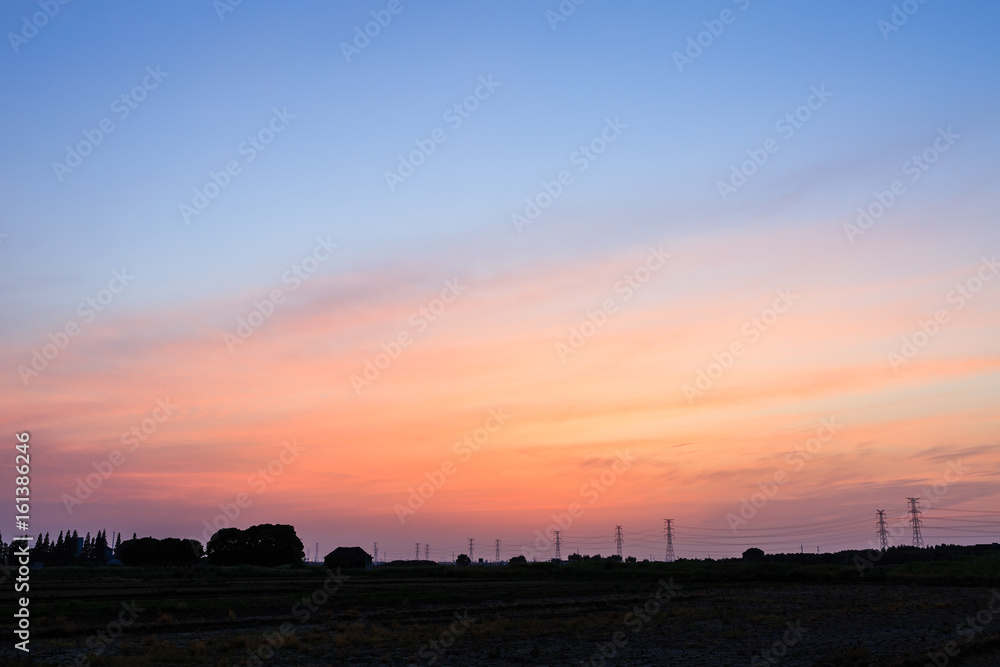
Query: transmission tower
x,y
558,555
497,552
618,539
668,530
883,536
416,552
470,550
376,552
918,541
317,552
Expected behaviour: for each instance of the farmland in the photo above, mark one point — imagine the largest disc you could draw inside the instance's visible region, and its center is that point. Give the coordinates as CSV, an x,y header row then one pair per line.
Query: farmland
x,y
684,613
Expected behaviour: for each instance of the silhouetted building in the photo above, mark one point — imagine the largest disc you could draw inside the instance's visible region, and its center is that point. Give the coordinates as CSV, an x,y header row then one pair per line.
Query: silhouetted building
x,y
348,557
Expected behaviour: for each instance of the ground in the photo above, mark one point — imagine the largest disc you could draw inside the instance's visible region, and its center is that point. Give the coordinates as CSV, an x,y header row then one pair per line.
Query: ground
x,y
529,615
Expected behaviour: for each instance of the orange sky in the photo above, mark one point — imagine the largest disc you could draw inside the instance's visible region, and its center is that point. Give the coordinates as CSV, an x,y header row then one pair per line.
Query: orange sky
x,y
564,423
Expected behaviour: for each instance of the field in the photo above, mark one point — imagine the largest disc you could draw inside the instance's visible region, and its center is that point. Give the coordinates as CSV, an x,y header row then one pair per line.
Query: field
x,y
685,613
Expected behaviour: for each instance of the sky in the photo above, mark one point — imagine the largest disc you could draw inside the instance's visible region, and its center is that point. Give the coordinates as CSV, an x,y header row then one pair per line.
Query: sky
x,y
408,272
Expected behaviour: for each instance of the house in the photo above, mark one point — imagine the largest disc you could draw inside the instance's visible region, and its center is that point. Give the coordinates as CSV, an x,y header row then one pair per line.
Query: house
x,y
348,557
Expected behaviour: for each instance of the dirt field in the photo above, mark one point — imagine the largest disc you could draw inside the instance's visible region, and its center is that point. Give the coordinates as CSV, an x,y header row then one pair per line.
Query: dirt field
x,y
244,617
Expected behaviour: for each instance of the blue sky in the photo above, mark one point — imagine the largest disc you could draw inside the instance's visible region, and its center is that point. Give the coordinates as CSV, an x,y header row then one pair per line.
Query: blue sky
x,y
324,172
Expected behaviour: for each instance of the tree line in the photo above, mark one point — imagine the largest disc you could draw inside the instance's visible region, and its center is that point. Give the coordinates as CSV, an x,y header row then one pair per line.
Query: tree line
x,y
266,544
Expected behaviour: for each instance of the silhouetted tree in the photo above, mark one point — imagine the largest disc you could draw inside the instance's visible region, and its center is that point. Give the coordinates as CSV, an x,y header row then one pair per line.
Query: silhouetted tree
x,y
147,551
517,560
753,553
265,544
464,560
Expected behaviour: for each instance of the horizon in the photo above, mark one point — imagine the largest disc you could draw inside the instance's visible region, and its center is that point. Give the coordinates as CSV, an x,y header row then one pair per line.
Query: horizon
x,y
730,265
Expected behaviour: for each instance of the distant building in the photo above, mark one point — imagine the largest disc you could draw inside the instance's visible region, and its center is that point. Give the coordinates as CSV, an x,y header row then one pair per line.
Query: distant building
x,y
348,557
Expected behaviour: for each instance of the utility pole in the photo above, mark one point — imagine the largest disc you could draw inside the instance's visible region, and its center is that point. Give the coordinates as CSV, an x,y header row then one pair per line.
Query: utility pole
x,y
618,539
668,530
883,536
558,555
317,552
497,552
918,540
470,550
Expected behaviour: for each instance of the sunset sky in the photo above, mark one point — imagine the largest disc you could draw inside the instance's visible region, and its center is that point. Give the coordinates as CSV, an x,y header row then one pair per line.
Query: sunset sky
x,y
614,262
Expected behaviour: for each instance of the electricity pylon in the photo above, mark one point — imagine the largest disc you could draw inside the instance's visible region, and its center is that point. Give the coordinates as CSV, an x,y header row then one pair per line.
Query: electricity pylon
x,y
618,539
883,536
668,530
918,540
